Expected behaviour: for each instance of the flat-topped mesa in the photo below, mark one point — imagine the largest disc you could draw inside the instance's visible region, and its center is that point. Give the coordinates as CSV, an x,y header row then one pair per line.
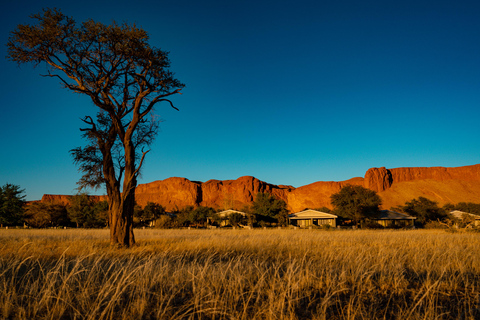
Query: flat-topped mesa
x,y
66,199
380,179
466,173
395,187
56,198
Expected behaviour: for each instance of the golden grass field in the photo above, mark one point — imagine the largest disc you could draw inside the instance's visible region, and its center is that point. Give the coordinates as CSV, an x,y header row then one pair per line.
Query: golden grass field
x,y
240,274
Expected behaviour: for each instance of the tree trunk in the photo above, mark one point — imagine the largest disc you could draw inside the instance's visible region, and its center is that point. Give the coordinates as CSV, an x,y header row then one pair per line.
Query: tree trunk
x,y
120,206
121,220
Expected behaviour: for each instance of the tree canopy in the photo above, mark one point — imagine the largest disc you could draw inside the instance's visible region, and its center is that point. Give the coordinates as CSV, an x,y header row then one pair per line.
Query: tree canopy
x,y
124,77
356,203
12,199
85,212
424,209
267,207
44,215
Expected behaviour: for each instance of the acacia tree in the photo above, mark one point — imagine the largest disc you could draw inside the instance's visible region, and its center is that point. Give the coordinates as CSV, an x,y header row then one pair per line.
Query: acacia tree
x,y
356,202
266,206
125,78
424,209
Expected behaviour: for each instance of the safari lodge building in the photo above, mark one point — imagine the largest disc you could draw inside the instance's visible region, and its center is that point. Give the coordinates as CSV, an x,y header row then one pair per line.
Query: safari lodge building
x,y
309,217
388,218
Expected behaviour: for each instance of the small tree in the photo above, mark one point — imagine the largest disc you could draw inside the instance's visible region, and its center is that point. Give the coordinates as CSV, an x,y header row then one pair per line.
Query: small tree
x,y
269,208
424,209
152,211
43,215
200,215
100,210
356,203
469,207
11,205
80,210
183,216
85,212
235,218
124,77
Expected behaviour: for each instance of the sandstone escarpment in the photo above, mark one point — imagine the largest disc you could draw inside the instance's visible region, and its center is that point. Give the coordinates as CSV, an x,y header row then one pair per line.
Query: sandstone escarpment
x,y
65,199
238,193
440,184
172,193
395,187
467,173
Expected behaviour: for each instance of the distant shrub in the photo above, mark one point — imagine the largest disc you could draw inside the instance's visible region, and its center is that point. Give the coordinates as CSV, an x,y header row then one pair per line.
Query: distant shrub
x,y
164,222
370,224
436,225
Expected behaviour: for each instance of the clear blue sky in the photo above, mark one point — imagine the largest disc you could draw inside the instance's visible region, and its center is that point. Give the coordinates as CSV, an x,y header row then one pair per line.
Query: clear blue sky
x,y
291,92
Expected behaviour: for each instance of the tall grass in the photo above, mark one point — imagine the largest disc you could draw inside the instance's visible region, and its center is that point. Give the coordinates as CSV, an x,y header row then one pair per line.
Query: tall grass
x,y
240,274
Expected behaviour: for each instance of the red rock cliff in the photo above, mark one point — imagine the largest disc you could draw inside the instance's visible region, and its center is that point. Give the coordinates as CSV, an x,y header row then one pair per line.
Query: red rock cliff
x,y
65,199
395,186
172,193
378,179
237,193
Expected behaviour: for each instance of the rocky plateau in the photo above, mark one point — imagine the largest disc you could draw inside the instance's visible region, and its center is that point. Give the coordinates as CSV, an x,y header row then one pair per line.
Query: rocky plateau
x,y
394,186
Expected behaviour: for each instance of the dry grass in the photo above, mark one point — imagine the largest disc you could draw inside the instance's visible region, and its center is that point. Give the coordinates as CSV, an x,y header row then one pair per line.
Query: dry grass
x,y
240,274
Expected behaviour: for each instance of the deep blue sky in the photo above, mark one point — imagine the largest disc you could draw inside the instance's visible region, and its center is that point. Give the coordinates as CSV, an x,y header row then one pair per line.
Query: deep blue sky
x,y
291,92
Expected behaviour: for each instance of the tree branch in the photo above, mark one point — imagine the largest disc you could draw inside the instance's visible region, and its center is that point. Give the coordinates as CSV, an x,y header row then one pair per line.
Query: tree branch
x,y
141,162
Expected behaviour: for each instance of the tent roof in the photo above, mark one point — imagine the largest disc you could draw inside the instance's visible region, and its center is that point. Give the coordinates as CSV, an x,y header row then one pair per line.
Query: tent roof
x,y
392,215
311,214
459,214
229,212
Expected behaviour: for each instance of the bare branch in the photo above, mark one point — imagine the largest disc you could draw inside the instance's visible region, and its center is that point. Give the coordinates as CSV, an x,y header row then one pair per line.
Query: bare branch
x,y
141,162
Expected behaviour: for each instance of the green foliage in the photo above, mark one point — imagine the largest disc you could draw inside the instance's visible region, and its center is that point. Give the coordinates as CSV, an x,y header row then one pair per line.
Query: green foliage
x,y
182,216
356,203
100,210
371,224
124,77
200,214
270,209
85,212
424,210
235,219
468,207
112,64
44,215
11,205
164,221
90,213
152,211
436,225
197,216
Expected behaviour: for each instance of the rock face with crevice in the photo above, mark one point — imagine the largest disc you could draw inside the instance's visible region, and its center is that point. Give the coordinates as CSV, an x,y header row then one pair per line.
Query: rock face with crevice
x,y
378,179
395,187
